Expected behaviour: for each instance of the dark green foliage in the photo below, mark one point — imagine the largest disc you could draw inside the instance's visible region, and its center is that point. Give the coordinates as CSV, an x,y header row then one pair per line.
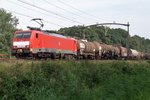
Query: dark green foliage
x,y
84,80
8,25
140,43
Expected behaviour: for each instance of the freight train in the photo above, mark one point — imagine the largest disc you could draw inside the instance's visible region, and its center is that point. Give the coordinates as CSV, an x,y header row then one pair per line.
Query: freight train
x,y
35,43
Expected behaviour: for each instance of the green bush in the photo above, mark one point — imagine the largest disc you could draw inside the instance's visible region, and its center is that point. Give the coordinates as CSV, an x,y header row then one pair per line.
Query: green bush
x,y
78,80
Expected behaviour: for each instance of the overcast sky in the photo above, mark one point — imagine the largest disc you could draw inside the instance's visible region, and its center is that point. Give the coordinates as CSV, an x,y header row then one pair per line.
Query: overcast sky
x,y
85,12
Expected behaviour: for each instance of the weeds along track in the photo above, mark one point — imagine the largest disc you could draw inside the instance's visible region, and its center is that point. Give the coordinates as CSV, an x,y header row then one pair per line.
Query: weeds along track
x,y
11,60
3,56
14,60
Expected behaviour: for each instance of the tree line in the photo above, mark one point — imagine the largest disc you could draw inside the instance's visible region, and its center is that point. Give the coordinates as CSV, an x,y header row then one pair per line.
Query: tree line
x,y
8,24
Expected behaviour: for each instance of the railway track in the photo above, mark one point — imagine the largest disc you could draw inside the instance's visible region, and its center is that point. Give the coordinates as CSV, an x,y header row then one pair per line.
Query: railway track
x,y
4,57
102,60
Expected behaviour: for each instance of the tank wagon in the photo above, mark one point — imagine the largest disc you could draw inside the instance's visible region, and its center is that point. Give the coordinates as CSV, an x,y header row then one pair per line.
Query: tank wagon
x,y
87,49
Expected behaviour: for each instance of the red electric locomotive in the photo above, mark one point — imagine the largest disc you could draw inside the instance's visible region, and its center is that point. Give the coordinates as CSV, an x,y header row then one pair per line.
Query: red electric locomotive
x,y
41,44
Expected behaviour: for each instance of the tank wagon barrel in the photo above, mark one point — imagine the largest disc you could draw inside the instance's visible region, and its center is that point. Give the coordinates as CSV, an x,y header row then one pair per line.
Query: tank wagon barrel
x,y
88,49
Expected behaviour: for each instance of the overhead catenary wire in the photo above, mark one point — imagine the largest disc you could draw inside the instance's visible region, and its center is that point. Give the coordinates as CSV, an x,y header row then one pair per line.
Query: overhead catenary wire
x,y
66,4
63,9
30,9
26,7
20,13
33,17
45,13
46,10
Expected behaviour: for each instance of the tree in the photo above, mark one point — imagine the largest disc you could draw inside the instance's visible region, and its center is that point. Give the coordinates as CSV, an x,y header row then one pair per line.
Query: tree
x,y
8,25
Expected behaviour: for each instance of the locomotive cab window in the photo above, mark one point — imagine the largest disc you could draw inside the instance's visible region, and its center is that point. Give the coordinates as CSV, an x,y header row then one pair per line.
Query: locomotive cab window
x,y
23,35
36,35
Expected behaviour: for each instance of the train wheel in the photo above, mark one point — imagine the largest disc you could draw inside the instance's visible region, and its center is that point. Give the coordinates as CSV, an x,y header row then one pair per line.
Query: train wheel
x,y
69,57
85,57
61,56
17,56
97,56
53,56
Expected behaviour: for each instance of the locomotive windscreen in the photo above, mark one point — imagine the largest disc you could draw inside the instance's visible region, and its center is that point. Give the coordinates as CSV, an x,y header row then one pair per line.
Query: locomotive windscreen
x,y
23,35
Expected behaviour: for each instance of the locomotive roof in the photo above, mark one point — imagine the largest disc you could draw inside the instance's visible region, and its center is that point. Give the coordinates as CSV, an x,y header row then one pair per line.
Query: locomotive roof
x,y
55,34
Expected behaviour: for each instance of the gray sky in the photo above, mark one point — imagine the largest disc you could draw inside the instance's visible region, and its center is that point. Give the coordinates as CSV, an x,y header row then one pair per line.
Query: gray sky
x,y
136,12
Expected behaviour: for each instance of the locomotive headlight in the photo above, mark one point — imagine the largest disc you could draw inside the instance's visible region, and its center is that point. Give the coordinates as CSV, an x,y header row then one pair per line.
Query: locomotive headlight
x,y
27,46
14,47
31,50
